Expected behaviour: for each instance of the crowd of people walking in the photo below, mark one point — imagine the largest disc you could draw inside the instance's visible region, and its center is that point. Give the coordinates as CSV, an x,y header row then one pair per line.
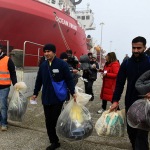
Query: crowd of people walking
x,y
66,68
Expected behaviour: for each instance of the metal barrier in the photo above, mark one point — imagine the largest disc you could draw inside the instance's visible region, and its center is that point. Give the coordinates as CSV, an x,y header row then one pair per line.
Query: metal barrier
x,y
24,50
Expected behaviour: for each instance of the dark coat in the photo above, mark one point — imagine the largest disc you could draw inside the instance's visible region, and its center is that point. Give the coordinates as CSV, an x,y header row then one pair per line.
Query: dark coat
x,y
60,71
131,70
109,81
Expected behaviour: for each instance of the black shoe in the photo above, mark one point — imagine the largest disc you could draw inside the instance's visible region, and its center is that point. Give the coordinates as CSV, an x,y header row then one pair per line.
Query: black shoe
x,y
92,98
53,146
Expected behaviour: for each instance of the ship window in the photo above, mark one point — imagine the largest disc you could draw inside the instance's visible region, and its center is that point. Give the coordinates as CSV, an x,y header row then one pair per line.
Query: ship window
x,y
83,17
53,1
78,17
87,17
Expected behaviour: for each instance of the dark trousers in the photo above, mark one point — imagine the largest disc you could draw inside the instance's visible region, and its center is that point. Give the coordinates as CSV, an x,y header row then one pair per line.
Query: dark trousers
x,y
104,104
138,138
89,87
52,113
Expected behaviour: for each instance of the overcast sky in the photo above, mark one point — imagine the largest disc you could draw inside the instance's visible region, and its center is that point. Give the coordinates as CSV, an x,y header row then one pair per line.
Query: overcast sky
x,y
123,20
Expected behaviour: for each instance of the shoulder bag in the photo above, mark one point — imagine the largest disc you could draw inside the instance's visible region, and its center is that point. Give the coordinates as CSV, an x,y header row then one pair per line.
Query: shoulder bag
x,y
60,88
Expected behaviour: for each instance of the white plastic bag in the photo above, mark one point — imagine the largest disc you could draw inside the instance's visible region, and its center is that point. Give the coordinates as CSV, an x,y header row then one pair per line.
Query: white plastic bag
x,y
74,122
18,103
111,123
138,115
82,98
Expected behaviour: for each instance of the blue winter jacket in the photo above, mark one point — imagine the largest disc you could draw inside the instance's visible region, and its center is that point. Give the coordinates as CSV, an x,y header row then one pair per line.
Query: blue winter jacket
x,y
131,70
59,71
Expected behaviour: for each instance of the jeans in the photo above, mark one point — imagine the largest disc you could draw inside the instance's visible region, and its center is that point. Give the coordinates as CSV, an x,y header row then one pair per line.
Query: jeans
x,y
3,105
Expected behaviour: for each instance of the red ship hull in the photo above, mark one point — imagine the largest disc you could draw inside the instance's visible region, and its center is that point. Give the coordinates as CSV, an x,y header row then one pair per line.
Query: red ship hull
x,y
29,20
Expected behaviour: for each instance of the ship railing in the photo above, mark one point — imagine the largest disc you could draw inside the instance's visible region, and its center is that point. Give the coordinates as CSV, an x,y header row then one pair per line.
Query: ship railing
x,y
7,43
24,51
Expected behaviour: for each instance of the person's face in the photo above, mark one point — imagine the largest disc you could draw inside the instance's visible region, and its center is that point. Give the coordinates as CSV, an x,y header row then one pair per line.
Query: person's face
x,y
69,55
65,59
94,59
49,54
138,49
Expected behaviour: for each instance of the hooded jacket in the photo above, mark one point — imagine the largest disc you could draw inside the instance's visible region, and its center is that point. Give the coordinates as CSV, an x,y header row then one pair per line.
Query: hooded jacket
x,y
143,83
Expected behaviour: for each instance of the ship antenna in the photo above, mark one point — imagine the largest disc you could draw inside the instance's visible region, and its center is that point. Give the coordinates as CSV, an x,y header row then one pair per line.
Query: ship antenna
x,y
88,5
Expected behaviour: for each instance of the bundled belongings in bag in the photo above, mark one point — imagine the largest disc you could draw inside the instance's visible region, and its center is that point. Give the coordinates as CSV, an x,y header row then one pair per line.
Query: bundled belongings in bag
x,y
143,83
18,103
138,115
85,62
74,123
82,98
111,123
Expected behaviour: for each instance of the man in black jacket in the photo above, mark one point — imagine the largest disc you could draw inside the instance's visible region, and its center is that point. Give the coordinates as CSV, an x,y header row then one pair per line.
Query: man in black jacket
x,y
90,73
131,70
7,75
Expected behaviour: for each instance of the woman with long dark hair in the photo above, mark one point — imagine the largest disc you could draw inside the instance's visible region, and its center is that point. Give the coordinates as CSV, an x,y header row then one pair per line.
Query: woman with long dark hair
x,y
109,74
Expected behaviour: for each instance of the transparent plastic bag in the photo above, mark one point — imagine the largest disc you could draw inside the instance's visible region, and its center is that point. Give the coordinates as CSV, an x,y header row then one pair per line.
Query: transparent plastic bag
x,y
82,98
138,115
74,123
111,123
18,103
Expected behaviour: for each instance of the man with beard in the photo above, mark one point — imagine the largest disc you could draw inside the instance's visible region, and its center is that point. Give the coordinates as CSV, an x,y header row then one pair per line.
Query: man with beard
x,y
131,70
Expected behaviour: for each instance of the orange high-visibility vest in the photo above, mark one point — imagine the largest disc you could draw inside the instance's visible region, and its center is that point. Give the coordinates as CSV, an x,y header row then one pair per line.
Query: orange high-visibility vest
x,y
4,72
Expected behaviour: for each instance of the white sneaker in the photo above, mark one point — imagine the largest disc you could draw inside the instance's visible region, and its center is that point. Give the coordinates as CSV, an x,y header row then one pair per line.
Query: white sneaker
x,y
85,80
4,128
100,111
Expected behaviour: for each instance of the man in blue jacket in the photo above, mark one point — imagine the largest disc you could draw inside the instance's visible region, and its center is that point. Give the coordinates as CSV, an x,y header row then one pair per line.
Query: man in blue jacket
x,y
131,70
59,70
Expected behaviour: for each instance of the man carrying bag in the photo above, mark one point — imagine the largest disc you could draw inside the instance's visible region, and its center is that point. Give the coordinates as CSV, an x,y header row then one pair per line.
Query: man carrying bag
x,y
53,70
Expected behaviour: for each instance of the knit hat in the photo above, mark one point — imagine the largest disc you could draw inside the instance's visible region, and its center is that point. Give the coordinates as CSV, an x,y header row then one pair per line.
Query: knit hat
x,y
63,55
69,51
50,47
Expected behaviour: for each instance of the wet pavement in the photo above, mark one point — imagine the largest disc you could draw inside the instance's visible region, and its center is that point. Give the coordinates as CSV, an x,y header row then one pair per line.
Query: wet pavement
x,y
31,133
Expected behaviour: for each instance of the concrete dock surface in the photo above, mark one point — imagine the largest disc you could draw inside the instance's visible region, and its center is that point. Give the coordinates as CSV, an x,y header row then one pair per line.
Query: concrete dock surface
x,y
31,134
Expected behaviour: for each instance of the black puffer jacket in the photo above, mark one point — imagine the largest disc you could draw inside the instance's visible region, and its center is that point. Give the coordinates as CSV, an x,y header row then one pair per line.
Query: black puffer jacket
x,y
143,83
